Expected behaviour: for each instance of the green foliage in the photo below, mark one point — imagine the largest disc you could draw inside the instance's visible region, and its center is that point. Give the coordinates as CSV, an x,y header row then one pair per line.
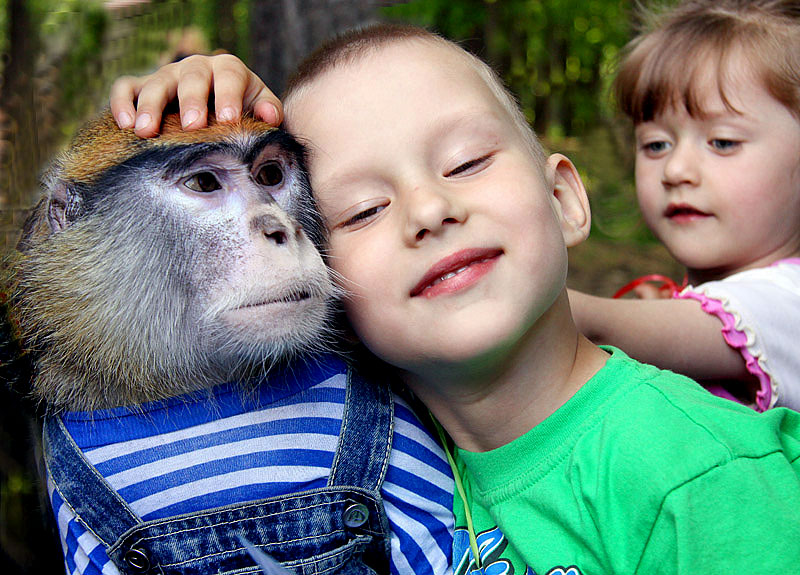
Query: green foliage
x,y
205,15
74,32
556,55
559,58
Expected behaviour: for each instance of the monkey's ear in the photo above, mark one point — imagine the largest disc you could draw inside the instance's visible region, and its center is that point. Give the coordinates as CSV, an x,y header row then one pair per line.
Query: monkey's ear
x,y
65,205
54,213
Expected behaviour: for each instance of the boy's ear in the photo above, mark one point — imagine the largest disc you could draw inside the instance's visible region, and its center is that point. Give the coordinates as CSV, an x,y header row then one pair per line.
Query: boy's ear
x,y
569,199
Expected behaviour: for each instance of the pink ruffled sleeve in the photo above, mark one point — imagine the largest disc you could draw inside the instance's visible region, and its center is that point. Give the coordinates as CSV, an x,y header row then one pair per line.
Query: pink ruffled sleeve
x,y
760,315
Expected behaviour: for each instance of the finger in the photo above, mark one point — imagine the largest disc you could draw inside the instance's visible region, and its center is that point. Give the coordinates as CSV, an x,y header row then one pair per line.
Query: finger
x,y
238,89
231,79
122,98
267,107
262,102
194,84
156,92
647,291
665,292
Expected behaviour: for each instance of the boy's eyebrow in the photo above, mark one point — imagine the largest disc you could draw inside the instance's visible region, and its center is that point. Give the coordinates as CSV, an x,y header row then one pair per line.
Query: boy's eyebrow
x,y
446,123
480,117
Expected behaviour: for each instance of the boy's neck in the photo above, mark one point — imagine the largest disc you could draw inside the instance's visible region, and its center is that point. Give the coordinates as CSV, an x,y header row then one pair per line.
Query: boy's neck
x,y
526,386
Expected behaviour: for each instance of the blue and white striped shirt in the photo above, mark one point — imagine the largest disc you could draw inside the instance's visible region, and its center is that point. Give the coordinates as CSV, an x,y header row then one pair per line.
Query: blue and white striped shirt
x,y
226,446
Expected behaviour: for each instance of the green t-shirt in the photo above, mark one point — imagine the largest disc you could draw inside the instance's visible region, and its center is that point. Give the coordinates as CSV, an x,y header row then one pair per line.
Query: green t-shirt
x,y
641,471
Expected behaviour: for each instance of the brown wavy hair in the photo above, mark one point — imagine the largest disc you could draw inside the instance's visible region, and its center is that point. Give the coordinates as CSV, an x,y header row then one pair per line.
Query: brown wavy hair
x,y
664,66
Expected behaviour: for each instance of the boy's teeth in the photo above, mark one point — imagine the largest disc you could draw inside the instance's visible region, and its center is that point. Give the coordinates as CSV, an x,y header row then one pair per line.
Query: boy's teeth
x,y
449,275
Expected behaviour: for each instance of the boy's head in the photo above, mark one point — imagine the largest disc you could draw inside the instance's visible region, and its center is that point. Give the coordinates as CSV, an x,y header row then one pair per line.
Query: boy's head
x,y
668,66
351,46
446,224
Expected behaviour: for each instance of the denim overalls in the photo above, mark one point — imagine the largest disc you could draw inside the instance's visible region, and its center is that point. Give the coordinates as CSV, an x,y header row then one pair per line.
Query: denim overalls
x,y
341,529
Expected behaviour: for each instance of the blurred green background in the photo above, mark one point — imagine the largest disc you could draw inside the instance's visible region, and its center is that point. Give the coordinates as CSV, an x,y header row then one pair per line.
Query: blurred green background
x,y
60,57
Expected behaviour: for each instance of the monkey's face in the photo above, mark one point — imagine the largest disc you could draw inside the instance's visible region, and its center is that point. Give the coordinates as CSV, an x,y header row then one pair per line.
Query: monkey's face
x,y
251,276
189,261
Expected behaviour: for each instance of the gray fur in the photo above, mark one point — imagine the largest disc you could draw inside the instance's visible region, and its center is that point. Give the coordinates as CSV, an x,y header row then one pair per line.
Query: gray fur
x,y
126,282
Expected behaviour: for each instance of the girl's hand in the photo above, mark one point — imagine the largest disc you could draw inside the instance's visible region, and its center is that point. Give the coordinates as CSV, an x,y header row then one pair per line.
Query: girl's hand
x,y
139,101
651,291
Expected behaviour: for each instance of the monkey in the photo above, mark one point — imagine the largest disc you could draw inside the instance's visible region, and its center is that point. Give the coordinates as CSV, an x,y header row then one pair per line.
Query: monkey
x,y
174,303
153,268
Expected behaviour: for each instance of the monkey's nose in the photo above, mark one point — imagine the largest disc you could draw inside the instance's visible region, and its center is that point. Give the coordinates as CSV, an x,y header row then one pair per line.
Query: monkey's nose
x,y
275,229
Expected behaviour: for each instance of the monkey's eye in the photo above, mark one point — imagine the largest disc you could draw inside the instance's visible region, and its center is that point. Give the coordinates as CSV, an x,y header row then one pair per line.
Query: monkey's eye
x,y
204,182
270,174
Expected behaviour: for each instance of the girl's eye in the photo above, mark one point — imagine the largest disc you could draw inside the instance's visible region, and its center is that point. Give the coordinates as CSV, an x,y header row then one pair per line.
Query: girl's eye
x,y
204,182
270,174
362,216
468,167
721,145
657,147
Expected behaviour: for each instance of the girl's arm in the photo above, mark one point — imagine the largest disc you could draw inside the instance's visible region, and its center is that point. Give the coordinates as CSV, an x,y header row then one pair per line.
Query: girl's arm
x,y
672,334
138,101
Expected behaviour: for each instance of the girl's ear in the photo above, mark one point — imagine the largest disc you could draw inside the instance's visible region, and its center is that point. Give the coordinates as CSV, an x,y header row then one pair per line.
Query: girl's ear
x,y
569,199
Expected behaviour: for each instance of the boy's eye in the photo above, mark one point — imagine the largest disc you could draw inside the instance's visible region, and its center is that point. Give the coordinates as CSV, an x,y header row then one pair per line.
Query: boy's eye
x,y
468,167
203,182
722,145
362,216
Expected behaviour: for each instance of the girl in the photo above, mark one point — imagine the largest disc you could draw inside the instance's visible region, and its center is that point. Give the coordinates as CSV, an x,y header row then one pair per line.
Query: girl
x,y
714,94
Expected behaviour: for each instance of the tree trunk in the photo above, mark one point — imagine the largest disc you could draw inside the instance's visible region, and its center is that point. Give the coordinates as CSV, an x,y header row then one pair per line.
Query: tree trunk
x,y
283,32
20,157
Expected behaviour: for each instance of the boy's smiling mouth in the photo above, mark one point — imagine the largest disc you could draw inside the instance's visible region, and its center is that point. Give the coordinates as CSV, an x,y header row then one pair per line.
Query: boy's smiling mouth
x,y
456,272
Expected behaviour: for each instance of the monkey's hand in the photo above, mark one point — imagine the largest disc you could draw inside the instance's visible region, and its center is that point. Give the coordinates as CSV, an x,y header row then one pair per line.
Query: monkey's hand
x,y
139,101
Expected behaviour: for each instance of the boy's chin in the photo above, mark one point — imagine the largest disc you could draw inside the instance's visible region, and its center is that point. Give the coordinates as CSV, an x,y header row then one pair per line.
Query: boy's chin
x,y
472,356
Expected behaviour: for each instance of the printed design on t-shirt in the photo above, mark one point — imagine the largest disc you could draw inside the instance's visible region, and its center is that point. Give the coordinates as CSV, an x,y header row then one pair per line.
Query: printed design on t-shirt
x,y
491,544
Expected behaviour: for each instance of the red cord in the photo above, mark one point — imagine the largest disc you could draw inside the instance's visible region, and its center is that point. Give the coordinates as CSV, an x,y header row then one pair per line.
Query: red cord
x,y
664,282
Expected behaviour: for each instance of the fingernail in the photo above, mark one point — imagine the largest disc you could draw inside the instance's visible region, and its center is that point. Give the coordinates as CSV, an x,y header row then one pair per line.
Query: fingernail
x,y
189,118
274,119
142,121
226,114
124,120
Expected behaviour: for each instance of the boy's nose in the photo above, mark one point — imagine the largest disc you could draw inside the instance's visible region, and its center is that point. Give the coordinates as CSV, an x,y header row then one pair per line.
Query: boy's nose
x,y
682,166
429,211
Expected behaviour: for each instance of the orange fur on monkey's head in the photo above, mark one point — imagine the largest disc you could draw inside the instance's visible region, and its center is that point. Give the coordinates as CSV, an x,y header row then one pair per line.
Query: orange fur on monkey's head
x,y
101,144
152,268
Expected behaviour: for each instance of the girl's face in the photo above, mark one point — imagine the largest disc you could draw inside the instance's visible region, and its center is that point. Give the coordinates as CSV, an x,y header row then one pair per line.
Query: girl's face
x,y
722,191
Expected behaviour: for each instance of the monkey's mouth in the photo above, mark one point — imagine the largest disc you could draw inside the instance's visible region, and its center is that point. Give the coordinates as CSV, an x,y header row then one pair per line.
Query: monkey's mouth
x,y
291,297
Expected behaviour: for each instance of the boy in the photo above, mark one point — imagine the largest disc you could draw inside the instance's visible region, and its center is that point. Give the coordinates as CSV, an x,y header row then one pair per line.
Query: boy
x,y
449,229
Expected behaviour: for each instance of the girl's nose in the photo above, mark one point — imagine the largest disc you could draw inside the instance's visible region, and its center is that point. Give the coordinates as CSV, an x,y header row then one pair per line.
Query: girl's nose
x,y
681,166
430,211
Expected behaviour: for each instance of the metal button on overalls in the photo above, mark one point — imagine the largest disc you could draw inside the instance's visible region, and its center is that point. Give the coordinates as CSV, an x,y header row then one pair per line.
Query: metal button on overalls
x,y
356,515
137,559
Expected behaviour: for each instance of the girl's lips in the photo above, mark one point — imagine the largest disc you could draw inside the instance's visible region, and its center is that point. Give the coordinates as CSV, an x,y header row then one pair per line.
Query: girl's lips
x,y
456,271
684,211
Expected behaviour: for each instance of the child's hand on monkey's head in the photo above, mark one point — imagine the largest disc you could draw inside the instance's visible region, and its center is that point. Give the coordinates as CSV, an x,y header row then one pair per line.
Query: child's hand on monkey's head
x,y
138,101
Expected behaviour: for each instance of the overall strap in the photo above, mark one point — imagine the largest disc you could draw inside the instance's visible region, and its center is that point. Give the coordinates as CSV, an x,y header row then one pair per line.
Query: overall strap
x,y
365,441
95,504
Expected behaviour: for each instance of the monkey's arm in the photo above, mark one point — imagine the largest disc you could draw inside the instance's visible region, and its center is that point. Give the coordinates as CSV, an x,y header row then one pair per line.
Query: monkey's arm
x,y
140,100
672,334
